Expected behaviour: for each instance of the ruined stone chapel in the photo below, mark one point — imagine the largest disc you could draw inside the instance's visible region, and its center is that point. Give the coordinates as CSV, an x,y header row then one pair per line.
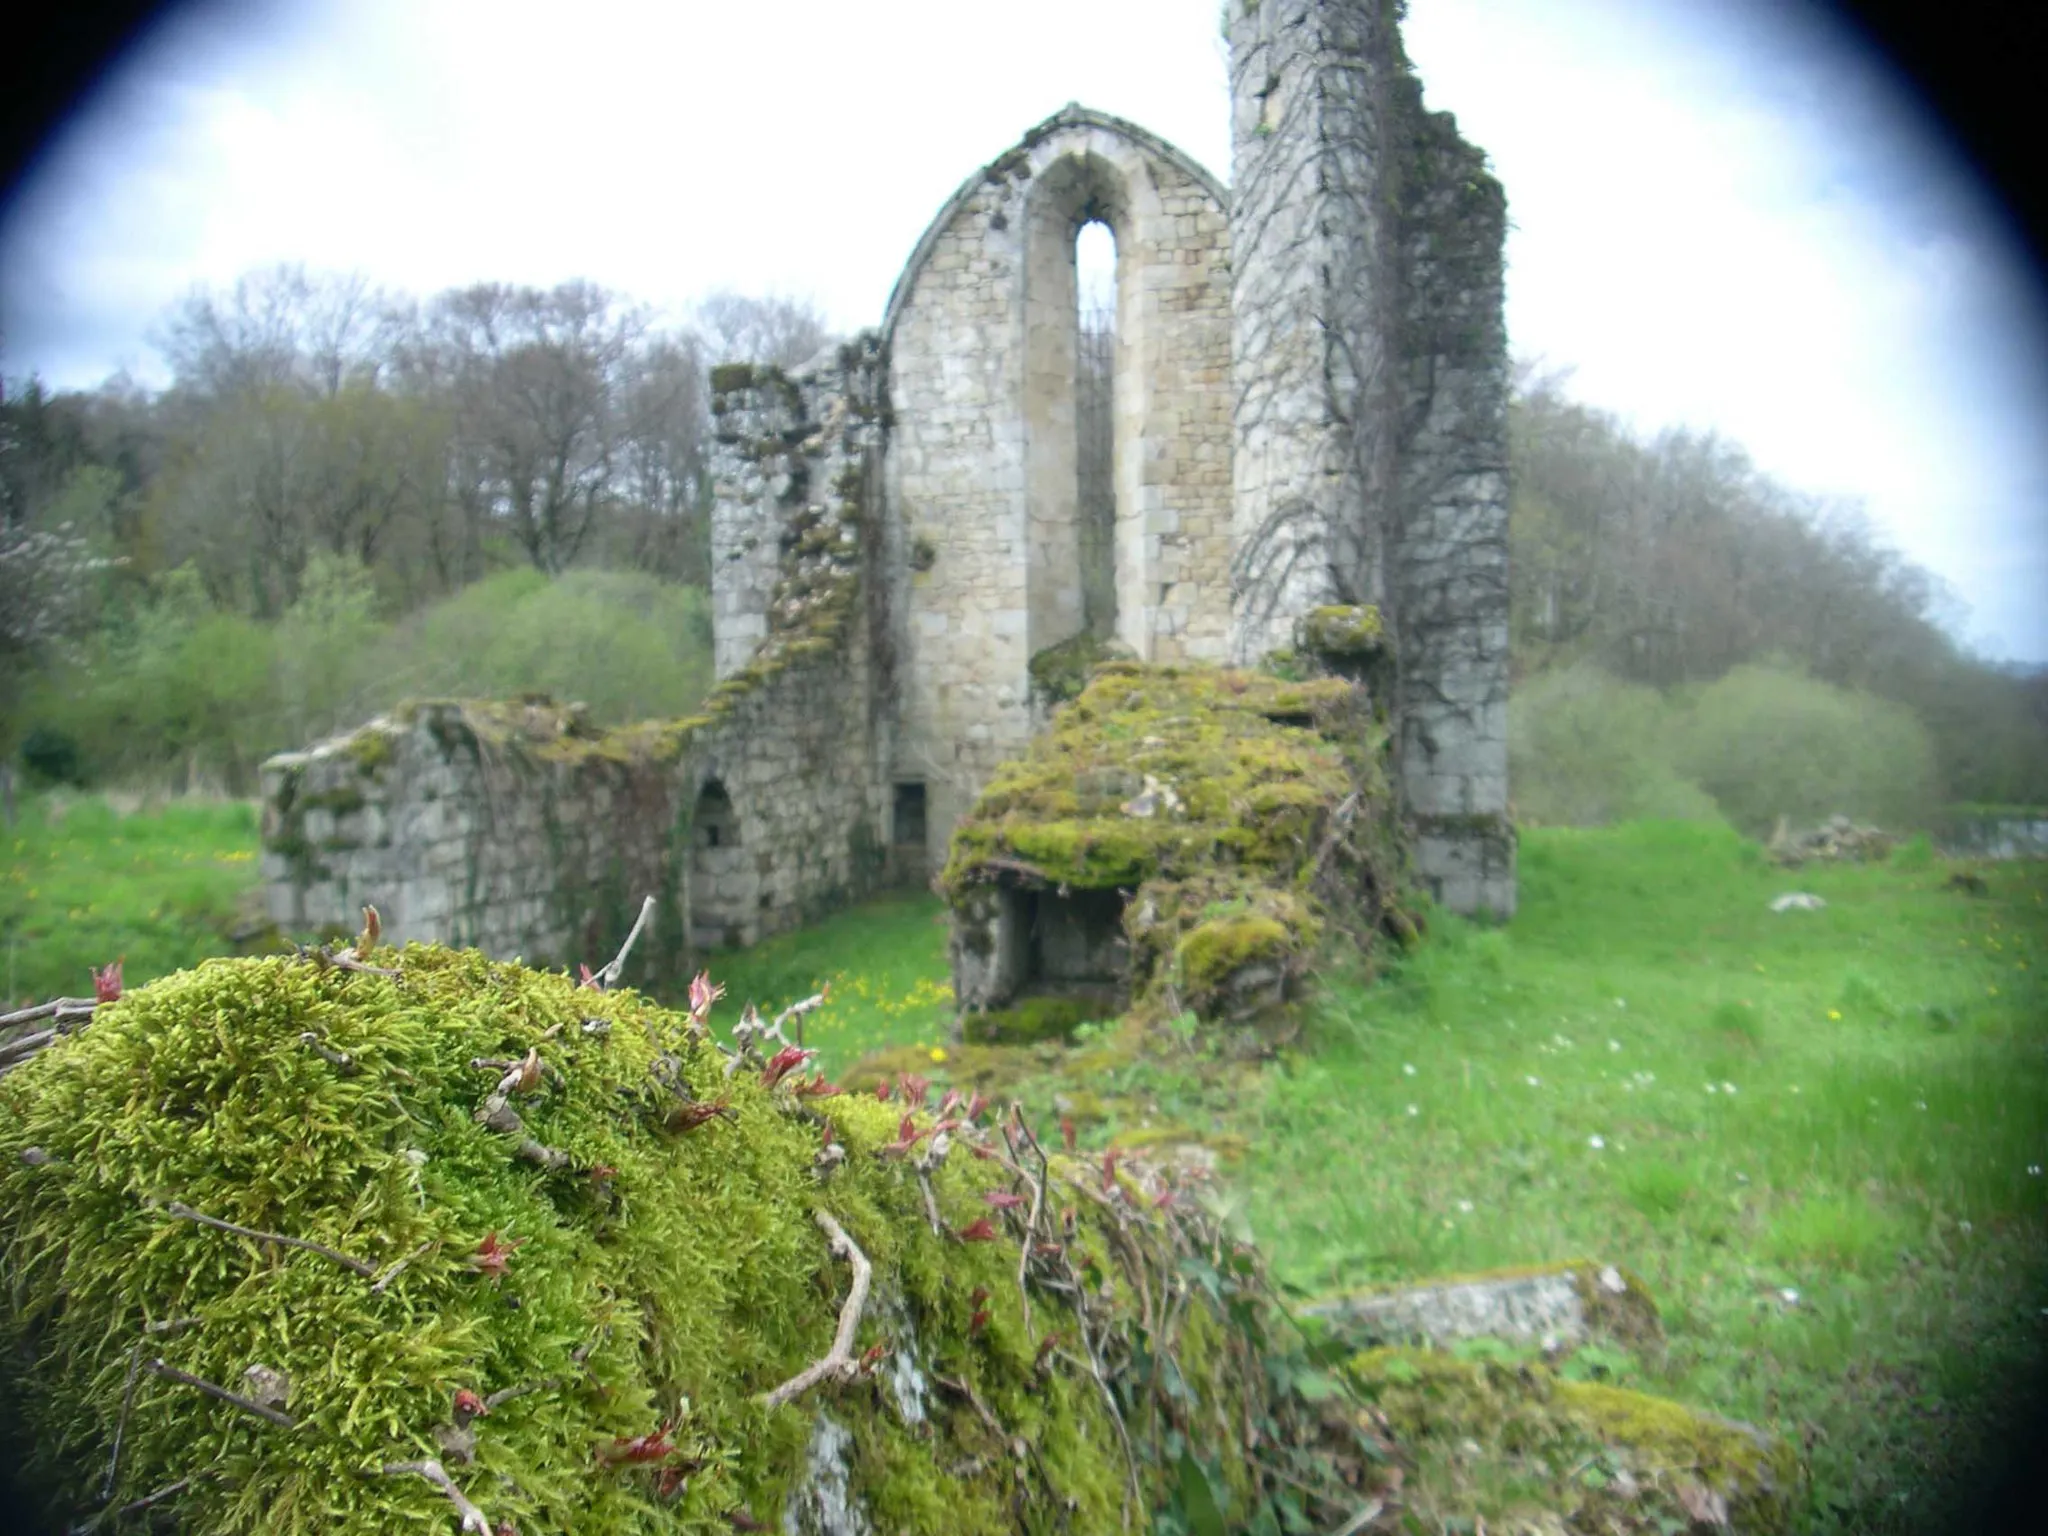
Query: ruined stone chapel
x,y
1306,406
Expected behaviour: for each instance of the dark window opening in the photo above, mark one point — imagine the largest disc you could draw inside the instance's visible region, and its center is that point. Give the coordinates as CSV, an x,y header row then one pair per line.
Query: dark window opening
x,y
716,822
907,828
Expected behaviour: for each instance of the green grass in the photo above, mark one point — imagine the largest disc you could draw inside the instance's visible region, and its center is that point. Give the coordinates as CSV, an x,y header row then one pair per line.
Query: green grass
x,y
84,884
1850,1105
1887,1058
885,961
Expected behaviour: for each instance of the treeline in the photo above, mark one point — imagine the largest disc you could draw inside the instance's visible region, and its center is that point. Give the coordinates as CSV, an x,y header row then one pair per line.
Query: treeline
x,y
345,496
193,577
1681,623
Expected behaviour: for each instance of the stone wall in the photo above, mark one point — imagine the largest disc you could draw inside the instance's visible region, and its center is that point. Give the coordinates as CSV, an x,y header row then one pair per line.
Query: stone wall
x,y
982,470
522,830
1308,409
1370,365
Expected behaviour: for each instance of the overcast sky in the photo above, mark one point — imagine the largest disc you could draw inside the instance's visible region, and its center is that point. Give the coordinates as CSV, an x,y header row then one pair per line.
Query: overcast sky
x,y
1727,214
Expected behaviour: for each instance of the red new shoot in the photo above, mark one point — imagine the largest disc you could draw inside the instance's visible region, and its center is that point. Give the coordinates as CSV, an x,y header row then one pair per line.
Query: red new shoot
x,y
640,1450
1002,1199
782,1063
687,1117
106,983
702,995
493,1257
980,1231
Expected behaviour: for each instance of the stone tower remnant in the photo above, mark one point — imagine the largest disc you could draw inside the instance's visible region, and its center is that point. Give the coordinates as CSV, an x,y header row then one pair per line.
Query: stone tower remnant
x,y
1307,408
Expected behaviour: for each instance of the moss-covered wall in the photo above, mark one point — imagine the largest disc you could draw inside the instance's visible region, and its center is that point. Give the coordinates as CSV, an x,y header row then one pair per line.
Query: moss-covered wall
x,y
518,828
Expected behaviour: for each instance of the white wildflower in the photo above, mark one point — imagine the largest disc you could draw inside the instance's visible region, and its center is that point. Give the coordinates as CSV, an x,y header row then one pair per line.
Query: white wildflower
x,y
1789,1296
1465,1206
1533,1081
1727,1087
1596,1142
1407,1069
1413,1110
1614,1045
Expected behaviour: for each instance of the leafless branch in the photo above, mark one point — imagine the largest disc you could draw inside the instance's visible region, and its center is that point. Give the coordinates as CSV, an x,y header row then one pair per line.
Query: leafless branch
x,y
186,1213
52,1009
134,1506
473,1519
384,1280
838,1363
121,1424
617,966
171,1373
341,1061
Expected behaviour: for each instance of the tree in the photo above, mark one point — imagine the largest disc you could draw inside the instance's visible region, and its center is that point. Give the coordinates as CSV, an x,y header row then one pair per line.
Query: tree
x,y
533,378
775,329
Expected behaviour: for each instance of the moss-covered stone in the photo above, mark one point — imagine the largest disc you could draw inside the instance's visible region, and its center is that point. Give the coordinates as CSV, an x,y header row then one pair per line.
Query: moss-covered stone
x,y
1510,1443
1028,1021
634,1252
1241,812
1060,672
1348,631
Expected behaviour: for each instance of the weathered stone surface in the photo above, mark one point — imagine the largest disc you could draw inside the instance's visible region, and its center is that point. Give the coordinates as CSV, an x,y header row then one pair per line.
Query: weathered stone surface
x,y
1370,362
1560,1306
1308,413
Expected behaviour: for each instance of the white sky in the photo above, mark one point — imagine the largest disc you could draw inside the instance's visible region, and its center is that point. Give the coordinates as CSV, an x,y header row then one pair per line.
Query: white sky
x,y
1725,215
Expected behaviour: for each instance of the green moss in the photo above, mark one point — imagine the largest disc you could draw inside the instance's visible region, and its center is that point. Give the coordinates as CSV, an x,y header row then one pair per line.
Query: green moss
x,y
1240,808
370,749
1060,672
1028,1021
731,378
1506,1443
1347,630
673,1286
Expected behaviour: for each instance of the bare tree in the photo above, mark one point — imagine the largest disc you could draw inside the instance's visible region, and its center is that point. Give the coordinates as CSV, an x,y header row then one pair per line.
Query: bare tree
x,y
776,329
534,379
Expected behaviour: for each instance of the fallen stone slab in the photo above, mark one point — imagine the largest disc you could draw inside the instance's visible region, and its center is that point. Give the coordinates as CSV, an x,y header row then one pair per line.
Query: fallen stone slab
x,y
1558,1307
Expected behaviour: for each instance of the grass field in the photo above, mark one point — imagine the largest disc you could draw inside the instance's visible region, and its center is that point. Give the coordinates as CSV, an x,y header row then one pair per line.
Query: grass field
x,y
1819,1135
85,883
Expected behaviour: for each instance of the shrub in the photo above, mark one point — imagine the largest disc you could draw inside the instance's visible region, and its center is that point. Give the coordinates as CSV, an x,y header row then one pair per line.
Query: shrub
x,y
1766,742
1585,748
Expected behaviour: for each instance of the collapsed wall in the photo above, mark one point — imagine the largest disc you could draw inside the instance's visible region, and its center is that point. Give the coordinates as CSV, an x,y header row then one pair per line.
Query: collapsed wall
x,y
1370,363
520,828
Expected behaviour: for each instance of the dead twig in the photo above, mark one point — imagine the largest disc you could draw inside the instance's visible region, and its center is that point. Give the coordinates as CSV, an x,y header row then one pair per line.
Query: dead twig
x,y
282,1420
617,965
134,1506
384,1280
931,1202
838,1363
54,1007
186,1213
27,1045
121,1424
341,1061
505,1395
473,1519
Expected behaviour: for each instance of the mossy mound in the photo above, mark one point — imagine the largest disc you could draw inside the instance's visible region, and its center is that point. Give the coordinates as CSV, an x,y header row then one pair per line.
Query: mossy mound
x,y
1060,672
1520,1448
618,1260
1242,815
